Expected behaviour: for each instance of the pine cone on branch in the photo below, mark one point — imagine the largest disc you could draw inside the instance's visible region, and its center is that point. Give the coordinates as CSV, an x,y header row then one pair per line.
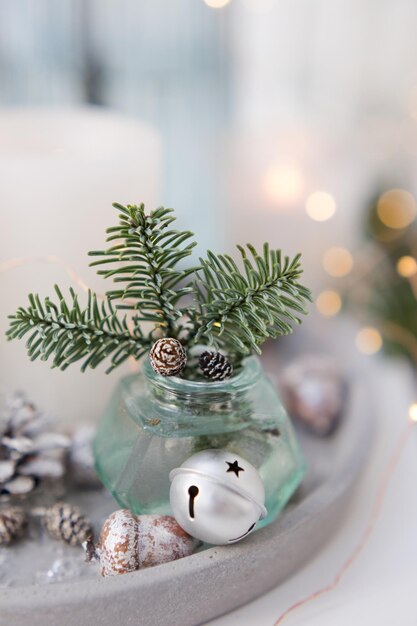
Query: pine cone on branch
x,y
167,356
215,366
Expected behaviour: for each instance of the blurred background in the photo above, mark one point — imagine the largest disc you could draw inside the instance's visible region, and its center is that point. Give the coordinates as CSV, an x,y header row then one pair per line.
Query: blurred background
x,y
285,120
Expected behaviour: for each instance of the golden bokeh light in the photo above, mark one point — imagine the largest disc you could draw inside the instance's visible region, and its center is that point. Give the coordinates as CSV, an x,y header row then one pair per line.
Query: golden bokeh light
x,y
216,4
337,261
412,412
283,183
329,303
397,208
368,340
407,266
320,206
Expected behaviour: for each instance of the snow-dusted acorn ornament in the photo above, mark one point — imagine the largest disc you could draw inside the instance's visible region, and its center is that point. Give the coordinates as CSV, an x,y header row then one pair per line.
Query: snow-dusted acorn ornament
x,y
129,542
217,496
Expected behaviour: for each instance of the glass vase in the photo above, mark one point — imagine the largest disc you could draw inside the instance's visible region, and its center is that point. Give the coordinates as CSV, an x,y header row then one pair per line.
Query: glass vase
x,y
153,424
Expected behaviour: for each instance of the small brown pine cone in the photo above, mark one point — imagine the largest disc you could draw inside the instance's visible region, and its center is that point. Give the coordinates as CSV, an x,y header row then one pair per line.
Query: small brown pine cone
x,y
65,522
167,357
13,522
215,366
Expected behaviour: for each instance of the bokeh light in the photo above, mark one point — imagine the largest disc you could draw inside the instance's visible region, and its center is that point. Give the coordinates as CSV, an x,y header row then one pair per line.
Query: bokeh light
x,y
320,206
337,261
283,183
407,266
412,412
397,208
216,4
368,340
329,303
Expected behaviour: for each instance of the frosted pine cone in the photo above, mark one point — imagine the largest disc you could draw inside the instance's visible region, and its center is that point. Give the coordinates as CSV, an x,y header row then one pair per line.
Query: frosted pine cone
x,y
13,521
215,366
167,357
29,453
65,522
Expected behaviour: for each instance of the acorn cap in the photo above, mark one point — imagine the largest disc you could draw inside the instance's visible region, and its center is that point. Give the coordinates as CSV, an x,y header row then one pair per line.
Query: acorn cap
x,y
228,469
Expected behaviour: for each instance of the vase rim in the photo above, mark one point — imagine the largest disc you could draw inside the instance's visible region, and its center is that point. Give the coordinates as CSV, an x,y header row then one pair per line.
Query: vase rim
x,y
247,377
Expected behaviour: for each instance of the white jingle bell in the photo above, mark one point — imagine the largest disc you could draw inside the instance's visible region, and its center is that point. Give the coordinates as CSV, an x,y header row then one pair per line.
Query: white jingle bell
x,y
217,497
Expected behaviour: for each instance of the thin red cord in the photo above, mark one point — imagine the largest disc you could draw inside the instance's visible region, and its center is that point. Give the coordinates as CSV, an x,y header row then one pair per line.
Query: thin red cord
x,y
364,538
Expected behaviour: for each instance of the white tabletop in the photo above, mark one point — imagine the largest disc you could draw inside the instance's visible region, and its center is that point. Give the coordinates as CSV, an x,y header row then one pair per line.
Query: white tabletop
x,y
380,587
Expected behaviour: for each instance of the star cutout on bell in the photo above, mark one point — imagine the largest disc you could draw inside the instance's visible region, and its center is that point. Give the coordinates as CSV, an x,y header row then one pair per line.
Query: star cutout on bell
x,y
234,467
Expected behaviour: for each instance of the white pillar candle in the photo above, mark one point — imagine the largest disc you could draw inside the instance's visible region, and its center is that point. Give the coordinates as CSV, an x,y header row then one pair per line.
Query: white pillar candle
x,y
60,172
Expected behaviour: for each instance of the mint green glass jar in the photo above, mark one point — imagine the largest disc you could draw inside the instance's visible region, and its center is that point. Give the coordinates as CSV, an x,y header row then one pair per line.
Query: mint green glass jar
x,y
153,424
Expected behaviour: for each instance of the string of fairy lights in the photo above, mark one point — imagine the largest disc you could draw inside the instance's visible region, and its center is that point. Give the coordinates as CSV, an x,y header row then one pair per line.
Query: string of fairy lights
x,y
283,184
396,210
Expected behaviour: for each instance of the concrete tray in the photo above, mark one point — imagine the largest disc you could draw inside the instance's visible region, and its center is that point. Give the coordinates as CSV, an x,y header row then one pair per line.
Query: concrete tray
x,y
198,588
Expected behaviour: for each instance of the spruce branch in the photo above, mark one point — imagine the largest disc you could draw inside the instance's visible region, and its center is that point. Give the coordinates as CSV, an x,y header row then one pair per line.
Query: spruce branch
x,y
145,259
71,334
237,311
234,309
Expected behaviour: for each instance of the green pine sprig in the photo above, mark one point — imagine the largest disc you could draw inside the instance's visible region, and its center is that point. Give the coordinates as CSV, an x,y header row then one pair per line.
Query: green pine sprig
x,y
234,309
238,311
144,262
68,333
